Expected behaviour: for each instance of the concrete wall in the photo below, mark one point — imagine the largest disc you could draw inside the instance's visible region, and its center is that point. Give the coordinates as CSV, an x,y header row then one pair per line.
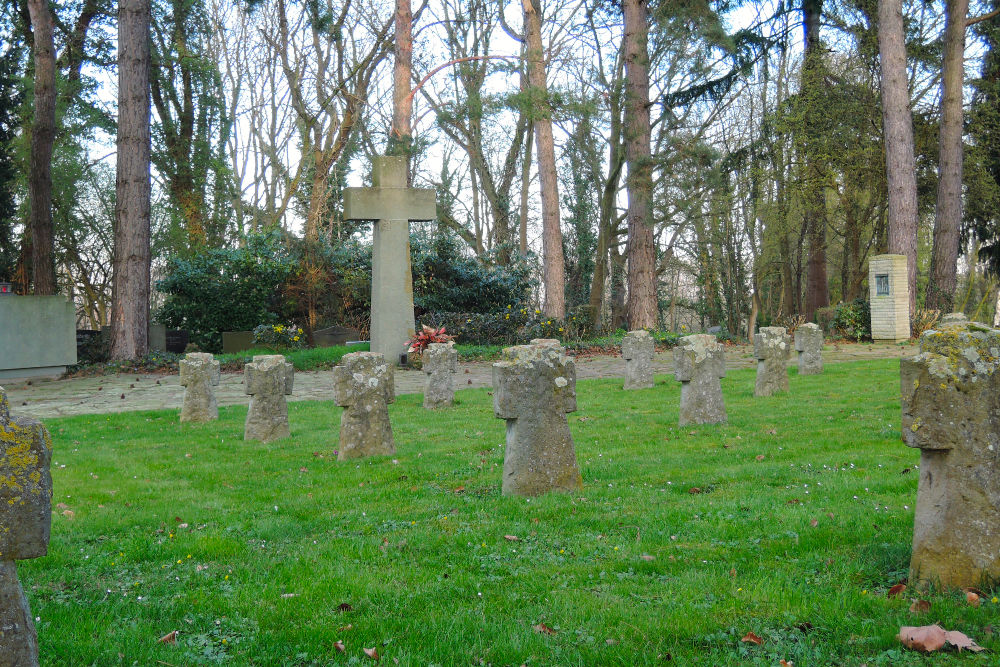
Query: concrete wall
x,y
37,336
891,312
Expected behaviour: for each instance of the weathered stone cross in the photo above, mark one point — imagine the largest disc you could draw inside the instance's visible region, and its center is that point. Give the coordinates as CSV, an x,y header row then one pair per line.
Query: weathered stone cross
x,y
393,206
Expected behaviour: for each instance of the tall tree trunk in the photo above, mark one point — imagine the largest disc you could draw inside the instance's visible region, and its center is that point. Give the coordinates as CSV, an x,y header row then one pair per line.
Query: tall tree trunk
x,y
814,204
43,132
522,242
553,265
948,213
897,125
642,304
400,137
130,298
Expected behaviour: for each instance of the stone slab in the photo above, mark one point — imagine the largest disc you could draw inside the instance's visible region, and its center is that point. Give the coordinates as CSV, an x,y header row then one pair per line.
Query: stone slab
x,y
37,336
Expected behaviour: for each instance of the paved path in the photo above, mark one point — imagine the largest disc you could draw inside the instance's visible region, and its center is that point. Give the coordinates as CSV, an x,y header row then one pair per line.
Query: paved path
x,y
120,393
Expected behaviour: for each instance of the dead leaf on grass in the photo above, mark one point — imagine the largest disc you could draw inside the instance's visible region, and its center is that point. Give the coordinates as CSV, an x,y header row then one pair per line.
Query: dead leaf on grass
x,y
896,591
760,457
512,538
346,628
647,557
920,606
960,640
343,606
339,645
371,653
972,598
541,628
786,663
752,638
169,638
813,522
924,638
694,490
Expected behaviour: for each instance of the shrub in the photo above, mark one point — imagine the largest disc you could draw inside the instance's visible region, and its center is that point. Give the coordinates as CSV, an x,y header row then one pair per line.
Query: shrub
x,y
225,289
279,335
825,317
427,335
854,320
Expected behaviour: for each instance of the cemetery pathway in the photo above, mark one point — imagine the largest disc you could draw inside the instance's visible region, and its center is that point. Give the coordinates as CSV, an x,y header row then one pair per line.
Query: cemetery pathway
x,y
122,393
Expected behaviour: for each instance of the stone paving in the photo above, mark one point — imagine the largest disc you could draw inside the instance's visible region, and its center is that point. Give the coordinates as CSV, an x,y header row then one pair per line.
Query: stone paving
x,y
122,393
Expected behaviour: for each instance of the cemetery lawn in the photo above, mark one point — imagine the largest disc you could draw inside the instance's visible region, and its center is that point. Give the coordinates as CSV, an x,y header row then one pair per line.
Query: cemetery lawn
x,y
791,522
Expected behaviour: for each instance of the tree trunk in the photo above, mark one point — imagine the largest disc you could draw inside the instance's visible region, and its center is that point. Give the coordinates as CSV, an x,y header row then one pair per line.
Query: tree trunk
x,y
814,197
130,299
948,214
522,241
43,132
642,304
552,250
400,137
897,125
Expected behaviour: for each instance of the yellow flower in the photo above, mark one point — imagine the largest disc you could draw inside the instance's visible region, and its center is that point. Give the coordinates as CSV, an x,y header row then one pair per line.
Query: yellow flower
x,y
506,317
279,328
560,328
296,338
537,311
508,306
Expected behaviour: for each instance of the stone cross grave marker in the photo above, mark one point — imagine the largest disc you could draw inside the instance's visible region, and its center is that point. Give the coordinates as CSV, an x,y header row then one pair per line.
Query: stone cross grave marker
x,y
268,378
25,520
534,386
699,364
392,205
363,385
440,363
951,412
771,348
637,349
809,345
199,377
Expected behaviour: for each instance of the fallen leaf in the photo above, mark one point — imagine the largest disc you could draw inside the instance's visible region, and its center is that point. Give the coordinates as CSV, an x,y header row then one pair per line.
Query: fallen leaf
x,y
343,606
169,638
962,641
460,489
289,595
760,457
813,523
647,557
896,591
346,628
541,628
785,663
752,638
69,514
694,489
339,645
793,501
610,642
924,638
732,572
972,598
371,653
920,606
512,538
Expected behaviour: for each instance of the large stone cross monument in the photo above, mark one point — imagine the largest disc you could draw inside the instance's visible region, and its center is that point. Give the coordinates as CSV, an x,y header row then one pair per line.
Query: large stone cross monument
x,y
392,205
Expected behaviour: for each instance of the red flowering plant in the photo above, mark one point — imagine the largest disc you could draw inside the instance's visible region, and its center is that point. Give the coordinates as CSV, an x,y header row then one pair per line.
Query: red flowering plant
x,y
427,335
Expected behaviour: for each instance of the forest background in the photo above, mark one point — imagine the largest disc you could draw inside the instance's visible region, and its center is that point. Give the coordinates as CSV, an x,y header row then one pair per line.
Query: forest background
x,y
765,179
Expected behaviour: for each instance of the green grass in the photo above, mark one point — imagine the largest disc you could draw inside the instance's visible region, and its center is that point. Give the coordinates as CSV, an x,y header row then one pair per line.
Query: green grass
x,y
309,359
250,550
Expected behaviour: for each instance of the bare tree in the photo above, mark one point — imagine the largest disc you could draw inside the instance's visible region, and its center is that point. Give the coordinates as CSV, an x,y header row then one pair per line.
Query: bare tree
x,y
642,302
897,125
948,214
130,300
553,266
43,133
